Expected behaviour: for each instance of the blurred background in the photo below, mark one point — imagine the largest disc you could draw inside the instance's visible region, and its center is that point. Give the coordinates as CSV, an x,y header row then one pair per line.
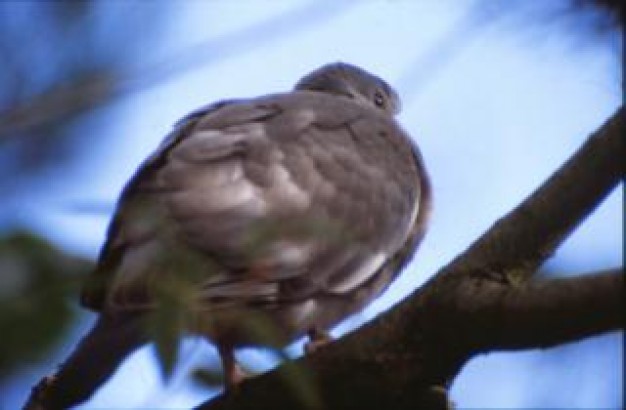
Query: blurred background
x,y
497,95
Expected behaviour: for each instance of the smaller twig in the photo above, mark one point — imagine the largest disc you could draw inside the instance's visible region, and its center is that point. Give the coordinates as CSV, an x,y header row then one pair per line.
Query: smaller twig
x,y
543,313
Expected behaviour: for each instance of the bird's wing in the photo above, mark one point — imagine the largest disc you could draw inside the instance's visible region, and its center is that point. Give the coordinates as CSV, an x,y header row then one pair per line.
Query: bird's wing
x,y
278,198
125,230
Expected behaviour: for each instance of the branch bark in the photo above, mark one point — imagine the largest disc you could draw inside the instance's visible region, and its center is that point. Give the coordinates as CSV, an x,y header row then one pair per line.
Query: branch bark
x,y
481,301
544,313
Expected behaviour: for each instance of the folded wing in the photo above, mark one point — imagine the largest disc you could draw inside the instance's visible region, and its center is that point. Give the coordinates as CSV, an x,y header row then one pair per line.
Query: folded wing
x,y
264,201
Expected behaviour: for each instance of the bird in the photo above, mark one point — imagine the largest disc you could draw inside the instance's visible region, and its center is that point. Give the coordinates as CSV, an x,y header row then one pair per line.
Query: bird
x,y
279,215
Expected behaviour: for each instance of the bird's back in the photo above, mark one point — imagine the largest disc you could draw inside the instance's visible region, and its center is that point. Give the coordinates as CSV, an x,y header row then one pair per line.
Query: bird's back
x,y
270,203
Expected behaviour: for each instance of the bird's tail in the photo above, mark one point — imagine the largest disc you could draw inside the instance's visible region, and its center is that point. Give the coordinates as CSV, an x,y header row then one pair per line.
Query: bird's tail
x,y
92,362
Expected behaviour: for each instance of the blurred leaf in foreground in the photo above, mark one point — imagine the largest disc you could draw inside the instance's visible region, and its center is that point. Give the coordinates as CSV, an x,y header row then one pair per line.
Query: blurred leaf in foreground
x,y
38,284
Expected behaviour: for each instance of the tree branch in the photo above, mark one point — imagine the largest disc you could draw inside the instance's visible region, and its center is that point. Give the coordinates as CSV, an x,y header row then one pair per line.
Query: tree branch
x,y
525,238
472,305
544,313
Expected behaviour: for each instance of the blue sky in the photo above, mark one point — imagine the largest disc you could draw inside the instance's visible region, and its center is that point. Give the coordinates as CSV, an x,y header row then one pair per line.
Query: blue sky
x,y
495,110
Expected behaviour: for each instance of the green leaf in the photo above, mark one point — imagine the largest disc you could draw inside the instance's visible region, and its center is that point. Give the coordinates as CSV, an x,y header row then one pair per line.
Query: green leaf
x,y
38,284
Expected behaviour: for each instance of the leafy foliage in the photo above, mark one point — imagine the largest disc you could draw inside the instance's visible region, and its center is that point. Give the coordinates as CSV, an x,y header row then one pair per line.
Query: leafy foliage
x,y
37,285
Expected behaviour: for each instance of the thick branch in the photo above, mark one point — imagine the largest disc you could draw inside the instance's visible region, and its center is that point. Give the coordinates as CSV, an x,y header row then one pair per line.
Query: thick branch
x,y
391,372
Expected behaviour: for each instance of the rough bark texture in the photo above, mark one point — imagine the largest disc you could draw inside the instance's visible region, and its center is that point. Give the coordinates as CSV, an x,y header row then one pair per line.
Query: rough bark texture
x,y
484,300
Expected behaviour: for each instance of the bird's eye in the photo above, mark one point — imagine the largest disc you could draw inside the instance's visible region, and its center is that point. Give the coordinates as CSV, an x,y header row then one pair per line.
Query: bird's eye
x,y
379,100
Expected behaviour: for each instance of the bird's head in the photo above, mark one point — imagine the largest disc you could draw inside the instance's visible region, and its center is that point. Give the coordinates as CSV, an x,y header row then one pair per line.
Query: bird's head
x,y
352,82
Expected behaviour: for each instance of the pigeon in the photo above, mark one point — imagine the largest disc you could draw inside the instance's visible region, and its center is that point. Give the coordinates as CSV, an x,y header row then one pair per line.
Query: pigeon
x,y
254,223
